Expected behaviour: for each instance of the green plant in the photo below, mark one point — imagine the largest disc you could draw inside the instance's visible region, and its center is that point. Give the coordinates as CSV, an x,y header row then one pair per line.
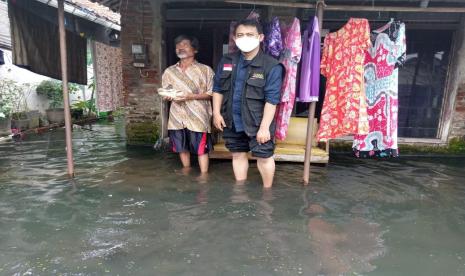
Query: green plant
x,y
119,112
53,90
88,106
10,95
19,115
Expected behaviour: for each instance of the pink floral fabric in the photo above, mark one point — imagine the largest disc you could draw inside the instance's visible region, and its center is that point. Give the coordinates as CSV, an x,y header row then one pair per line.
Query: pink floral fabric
x,y
108,77
381,81
290,59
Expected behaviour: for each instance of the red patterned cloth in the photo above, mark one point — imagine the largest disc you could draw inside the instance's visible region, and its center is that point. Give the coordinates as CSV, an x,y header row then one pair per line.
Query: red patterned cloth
x,y
345,109
381,81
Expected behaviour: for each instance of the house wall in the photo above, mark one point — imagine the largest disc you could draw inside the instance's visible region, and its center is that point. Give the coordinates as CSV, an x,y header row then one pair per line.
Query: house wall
x,y
456,105
141,23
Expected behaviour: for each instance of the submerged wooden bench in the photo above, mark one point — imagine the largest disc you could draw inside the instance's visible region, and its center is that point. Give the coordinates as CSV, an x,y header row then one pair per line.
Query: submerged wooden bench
x,y
290,150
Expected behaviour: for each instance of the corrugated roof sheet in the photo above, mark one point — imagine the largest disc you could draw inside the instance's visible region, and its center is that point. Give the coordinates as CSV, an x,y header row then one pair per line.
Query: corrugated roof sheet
x,y
97,9
5,39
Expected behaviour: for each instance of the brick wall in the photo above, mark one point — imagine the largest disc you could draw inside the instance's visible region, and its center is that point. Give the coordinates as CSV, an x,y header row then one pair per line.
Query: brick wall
x,y
457,124
458,120
141,23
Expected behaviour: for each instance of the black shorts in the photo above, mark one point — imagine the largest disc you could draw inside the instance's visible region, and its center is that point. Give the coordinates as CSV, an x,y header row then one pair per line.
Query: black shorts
x,y
241,142
184,140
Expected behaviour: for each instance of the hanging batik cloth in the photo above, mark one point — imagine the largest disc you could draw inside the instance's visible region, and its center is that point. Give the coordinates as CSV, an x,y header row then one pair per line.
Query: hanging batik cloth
x,y
108,77
273,40
344,108
310,66
381,85
290,59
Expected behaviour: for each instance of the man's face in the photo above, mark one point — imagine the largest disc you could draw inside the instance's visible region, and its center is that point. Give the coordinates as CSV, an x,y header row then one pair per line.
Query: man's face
x,y
184,49
248,31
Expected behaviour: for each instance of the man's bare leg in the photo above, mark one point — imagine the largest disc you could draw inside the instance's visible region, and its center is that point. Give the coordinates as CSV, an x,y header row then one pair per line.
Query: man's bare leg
x,y
185,159
203,163
240,164
266,167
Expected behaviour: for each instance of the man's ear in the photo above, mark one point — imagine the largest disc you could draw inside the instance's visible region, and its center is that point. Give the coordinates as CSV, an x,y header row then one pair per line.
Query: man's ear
x,y
261,37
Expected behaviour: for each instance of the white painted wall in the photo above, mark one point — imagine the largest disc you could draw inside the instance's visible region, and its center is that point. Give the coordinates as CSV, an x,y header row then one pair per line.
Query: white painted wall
x,y
23,76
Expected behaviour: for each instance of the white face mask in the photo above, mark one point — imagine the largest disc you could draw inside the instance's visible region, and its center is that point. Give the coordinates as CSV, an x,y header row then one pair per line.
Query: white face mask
x,y
247,44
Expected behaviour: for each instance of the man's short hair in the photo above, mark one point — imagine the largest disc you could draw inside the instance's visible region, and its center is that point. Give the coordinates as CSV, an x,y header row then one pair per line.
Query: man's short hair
x,y
251,23
193,41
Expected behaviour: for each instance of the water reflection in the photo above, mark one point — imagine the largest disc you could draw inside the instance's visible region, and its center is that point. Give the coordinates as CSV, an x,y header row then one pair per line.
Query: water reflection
x,y
131,212
341,247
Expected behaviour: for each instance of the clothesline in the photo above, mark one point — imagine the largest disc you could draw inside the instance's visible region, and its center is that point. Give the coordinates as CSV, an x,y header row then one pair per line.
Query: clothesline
x,y
361,89
353,7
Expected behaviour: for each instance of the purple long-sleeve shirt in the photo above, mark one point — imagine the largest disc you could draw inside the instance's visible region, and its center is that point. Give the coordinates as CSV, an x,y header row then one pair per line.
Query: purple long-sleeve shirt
x,y
310,66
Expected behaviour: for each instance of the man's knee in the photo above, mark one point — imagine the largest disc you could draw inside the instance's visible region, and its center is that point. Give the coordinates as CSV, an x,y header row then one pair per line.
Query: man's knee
x,y
239,155
265,160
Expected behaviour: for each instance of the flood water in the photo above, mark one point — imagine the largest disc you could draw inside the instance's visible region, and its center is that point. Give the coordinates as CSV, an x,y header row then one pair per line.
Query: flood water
x,y
132,212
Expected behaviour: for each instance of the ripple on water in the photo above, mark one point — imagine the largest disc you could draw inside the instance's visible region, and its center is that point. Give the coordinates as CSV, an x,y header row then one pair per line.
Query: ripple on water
x,y
133,212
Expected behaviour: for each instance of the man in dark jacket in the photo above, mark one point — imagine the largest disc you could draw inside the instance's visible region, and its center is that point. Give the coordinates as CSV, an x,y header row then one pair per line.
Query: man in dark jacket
x,y
247,88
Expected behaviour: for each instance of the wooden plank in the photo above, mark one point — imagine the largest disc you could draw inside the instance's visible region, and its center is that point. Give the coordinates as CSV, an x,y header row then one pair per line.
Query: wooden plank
x,y
318,155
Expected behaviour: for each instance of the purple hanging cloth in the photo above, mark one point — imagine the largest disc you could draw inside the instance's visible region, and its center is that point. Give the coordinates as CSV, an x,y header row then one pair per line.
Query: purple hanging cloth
x,y
310,67
273,40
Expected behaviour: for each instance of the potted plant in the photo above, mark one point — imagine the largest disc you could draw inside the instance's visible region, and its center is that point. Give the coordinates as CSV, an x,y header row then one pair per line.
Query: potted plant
x,y
81,108
53,90
19,119
77,109
34,118
10,92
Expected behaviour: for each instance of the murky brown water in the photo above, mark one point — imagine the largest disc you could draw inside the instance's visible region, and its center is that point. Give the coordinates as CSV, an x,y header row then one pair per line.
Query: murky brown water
x,y
131,212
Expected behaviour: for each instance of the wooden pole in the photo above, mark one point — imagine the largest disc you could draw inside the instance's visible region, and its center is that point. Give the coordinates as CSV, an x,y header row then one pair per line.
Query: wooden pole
x,y
320,5
64,79
352,7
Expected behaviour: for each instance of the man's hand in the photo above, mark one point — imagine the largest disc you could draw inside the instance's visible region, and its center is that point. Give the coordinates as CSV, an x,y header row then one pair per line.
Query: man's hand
x,y
183,97
169,99
263,135
218,121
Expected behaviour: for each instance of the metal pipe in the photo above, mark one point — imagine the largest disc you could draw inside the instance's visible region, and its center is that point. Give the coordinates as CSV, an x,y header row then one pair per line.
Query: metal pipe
x,y
64,81
352,7
320,5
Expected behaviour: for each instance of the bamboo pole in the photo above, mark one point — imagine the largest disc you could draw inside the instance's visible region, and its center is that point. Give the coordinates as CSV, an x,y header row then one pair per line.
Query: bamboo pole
x,y
320,5
64,79
352,7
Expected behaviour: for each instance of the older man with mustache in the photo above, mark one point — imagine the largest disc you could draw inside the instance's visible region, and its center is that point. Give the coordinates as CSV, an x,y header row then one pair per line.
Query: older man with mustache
x,y
189,123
